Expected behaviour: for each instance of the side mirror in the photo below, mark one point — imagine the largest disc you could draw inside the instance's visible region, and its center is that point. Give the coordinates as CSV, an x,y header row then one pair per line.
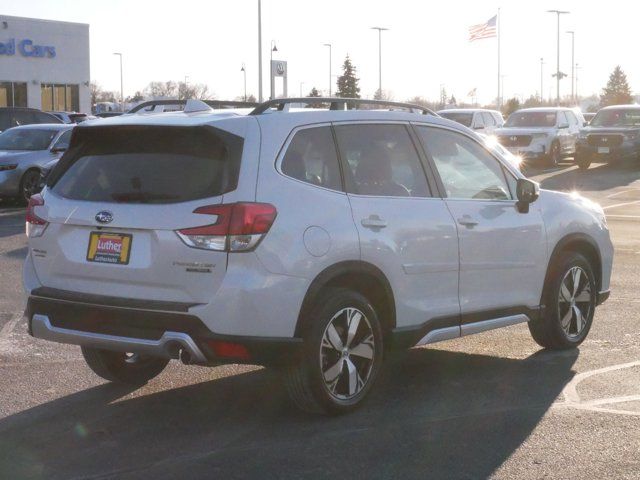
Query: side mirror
x,y
58,149
527,192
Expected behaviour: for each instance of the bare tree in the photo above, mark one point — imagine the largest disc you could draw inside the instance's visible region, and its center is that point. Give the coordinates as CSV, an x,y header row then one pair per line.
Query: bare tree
x,y
168,89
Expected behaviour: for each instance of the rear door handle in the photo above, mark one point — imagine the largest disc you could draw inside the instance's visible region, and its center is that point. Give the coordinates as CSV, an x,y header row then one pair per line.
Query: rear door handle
x,y
467,221
374,221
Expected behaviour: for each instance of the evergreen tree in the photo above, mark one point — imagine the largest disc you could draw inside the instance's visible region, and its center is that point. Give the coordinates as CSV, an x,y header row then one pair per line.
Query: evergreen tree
x,y
512,105
314,92
617,91
348,82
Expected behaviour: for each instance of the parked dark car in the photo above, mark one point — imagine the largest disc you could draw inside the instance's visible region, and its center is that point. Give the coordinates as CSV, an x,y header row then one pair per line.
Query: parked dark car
x,y
108,114
73,117
16,116
613,134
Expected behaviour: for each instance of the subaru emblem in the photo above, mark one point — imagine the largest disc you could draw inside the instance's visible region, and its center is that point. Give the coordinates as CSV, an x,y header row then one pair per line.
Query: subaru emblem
x,y
104,216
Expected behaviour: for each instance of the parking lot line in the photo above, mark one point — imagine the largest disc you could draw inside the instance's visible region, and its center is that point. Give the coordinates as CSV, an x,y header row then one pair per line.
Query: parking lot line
x,y
621,204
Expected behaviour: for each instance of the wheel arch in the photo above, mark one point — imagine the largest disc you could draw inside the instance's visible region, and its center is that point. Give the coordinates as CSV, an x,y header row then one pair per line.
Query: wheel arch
x,y
583,244
360,276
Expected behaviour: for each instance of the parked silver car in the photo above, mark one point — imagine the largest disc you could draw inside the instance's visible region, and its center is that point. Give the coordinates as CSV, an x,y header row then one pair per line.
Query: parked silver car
x,y
479,119
23,153
542,134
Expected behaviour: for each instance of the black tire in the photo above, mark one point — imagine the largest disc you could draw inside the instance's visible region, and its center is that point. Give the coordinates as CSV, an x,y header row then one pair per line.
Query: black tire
x,y
548,330
305,379
29,185
554,156
583,162
122,368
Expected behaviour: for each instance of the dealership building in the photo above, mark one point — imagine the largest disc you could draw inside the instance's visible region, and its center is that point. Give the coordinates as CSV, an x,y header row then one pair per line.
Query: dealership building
x,y
44,64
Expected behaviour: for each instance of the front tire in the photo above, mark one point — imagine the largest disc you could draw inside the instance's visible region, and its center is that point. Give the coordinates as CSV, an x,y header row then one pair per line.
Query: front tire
x,y
553,159
121,367
570,300
583,162
342,355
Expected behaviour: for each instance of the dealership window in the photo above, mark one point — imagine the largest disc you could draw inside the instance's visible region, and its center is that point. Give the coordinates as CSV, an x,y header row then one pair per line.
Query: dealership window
x,y
13,94
60,97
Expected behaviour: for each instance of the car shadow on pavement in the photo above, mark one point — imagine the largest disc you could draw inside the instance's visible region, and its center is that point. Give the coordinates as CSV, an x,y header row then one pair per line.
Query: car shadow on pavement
x,y
597,178
11,223
435,414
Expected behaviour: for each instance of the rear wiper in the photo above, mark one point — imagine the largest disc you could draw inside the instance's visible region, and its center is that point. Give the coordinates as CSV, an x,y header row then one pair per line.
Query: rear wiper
x,y
142,197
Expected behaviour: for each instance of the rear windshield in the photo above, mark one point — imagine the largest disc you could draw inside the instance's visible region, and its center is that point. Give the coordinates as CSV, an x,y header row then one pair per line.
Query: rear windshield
x,y
460,117
531,119
26,139
142,164
617,118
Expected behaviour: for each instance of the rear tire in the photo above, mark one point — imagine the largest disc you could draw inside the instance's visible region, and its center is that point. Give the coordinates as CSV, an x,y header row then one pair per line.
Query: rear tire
x,y
570,300
342,356
123,368
29,185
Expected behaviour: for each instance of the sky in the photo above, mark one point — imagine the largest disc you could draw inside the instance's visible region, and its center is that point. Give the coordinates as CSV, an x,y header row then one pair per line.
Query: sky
x,y
425,48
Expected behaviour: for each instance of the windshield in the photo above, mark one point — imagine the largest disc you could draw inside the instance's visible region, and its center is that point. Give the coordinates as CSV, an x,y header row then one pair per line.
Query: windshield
x,y
26,139
617,118
460,117
531,119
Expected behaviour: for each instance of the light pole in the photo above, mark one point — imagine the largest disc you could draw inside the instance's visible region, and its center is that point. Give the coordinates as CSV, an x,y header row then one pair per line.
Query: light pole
x,y
541,80
330,77
244,72
573,65
273,49
380,29
577,95
558,73
121,83
260,51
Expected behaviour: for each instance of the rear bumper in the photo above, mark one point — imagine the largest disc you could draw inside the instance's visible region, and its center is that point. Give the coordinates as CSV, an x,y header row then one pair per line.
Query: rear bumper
x,y
154,328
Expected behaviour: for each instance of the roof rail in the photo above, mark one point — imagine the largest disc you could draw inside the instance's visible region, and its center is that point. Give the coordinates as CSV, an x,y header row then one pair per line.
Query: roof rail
x,y
335,103
218,104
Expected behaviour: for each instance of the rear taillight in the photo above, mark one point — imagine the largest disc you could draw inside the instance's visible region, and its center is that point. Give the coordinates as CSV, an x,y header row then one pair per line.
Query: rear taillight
x,y
35,226
239,227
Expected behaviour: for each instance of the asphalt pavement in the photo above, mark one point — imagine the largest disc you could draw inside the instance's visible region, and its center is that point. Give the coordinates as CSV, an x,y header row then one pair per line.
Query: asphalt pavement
x,y
491,405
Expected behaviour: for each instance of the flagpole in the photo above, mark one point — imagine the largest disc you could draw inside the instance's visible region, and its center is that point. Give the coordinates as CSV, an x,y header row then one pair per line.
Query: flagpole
x,y
498,28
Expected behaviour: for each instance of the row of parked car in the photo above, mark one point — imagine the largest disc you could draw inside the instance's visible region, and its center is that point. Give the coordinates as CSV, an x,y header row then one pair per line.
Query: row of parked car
x,y
546,135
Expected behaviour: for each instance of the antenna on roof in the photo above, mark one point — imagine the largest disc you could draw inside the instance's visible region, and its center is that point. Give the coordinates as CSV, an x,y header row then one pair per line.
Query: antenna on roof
x,y
193,105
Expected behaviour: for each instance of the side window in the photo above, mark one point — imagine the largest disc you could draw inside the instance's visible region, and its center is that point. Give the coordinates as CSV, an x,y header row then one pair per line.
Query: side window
x,y
499,119
21,118
572,118
466,169
489,121
562,119
311,157
478,121
63,141
41,117
381,160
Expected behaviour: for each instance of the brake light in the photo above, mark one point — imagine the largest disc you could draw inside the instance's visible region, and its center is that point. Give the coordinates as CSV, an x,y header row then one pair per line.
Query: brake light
x,y
229,350
239,227
35,226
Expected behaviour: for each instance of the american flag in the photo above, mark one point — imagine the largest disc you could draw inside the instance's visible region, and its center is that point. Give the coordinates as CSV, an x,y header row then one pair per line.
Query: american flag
x,y
484,30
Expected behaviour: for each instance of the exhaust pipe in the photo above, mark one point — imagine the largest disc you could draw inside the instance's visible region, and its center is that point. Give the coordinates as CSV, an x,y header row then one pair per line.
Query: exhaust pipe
x,y
185,356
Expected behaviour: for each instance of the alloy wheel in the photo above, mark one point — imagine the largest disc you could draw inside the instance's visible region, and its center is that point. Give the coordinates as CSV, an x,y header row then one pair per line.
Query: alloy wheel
x,y
575,302
347,353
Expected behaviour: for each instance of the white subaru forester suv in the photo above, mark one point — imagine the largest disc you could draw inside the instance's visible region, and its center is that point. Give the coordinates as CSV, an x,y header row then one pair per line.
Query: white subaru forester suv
x,y
314,241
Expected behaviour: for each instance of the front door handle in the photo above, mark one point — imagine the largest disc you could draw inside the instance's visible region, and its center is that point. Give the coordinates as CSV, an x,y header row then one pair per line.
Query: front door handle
x,y
374,221
467,221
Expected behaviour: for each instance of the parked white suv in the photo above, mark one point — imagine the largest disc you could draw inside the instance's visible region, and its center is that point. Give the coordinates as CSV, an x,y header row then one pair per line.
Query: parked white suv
x,y
542,134
479,119
313,241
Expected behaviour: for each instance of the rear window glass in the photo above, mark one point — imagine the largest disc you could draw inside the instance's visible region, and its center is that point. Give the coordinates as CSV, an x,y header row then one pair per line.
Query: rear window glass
x,y
133,164
464,118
